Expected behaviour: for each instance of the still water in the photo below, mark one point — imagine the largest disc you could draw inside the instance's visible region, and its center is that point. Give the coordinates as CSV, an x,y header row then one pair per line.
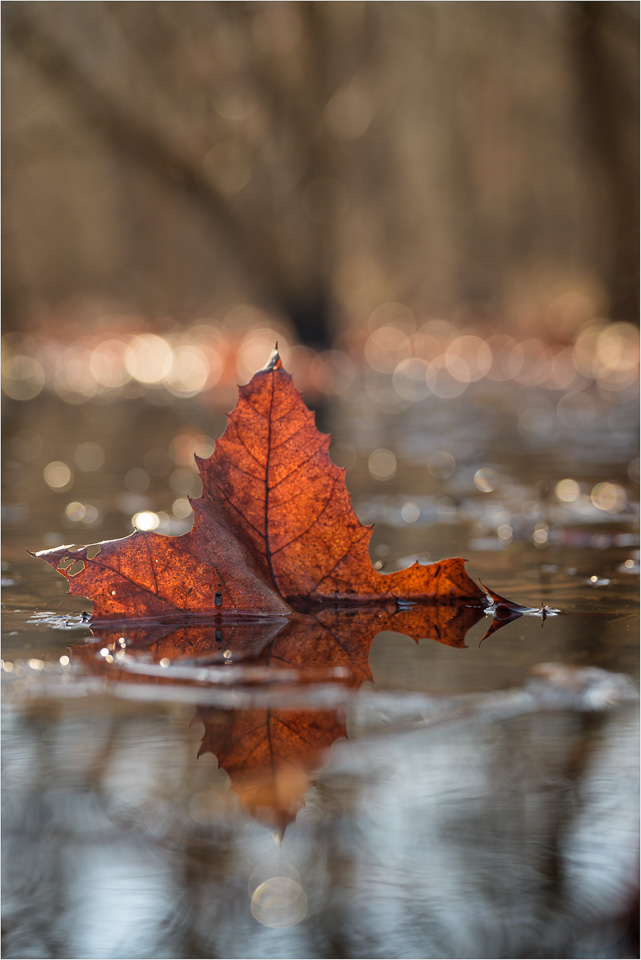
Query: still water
x,y
322,787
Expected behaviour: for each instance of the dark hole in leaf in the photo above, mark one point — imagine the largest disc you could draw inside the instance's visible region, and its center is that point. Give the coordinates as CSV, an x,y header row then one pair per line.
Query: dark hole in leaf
x,y
218,636
218,598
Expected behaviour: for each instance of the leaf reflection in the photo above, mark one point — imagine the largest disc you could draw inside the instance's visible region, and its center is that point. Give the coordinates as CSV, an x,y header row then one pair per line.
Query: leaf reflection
x,y
272,749
270,755
504,611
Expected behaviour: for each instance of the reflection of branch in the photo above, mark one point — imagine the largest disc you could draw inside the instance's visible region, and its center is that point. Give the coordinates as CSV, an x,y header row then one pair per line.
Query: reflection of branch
x,y
119,123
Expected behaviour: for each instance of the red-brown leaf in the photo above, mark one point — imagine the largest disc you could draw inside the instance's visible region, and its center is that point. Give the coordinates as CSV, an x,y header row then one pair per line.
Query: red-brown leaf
x,y
147,575
272,479
274,524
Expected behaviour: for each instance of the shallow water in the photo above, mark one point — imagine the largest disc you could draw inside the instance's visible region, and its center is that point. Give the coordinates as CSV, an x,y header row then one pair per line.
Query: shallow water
x,y
358,793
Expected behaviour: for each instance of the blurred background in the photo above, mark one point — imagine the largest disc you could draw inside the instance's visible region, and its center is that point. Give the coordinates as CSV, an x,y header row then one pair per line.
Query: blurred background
x,y
324,168
434,208
431,206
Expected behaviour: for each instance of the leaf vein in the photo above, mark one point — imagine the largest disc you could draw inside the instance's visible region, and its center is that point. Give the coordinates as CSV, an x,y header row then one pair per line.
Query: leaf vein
x,y
298,466
226,499
247,450
340,559
247,473
141,587
276,446
304,533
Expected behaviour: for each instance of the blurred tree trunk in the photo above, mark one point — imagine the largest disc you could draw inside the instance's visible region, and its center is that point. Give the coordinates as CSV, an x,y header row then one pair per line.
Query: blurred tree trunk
x,y
607,102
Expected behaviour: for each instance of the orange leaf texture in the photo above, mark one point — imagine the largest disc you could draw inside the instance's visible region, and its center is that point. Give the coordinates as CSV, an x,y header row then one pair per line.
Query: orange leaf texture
x,y
273,527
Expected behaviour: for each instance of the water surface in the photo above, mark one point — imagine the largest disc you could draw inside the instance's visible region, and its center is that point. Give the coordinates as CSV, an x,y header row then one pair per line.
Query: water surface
x,y
323,788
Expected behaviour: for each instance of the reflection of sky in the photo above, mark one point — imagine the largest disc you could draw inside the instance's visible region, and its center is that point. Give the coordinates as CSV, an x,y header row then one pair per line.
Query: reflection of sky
x,y
485,839
119,896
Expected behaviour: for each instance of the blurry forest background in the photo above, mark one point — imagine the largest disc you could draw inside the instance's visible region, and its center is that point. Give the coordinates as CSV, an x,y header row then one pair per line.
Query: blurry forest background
x,y
168,162
433,206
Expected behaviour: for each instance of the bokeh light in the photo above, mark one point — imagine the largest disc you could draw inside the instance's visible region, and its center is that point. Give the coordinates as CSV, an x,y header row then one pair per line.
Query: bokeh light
x,y
279,902
382,464
474,352
76,511
92,514
190,372
73,379
486,480
410,379
148,358
386,347
107,363
145,520
541,534
448,377
441,464
438,359
610,497
181,508
22,377
410,512
58,475
567,490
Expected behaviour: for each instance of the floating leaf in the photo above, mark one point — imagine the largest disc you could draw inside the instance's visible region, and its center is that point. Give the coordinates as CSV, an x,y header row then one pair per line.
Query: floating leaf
x,y
274,526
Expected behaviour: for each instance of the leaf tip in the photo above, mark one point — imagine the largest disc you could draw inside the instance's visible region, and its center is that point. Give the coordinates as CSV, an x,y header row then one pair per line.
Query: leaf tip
x,y
274,362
